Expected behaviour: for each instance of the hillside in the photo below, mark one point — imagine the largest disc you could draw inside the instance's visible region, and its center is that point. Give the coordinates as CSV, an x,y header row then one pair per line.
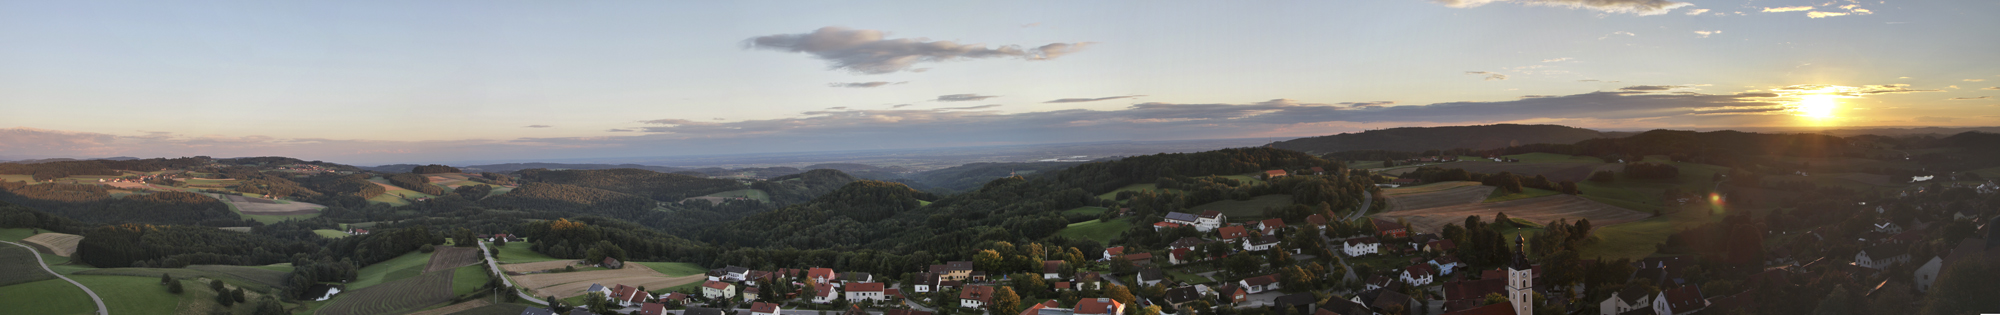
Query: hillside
x,y
971,176
667,187
829,221
1440,138
801,187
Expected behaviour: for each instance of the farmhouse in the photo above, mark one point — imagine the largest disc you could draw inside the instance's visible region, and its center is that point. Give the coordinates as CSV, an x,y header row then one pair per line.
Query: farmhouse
x,y
1391,229
1317,221
821,274
1260,243
865,291
1232,293
628,296
677,297
1355,247
1259,284
1271,226
1181,218
1631,298
1418,274
1233,232
1052,269
611,263
1679,301
975,296
1150,276
825,293
1140,259
600,290
715,290
953,270
1209,220
1113,252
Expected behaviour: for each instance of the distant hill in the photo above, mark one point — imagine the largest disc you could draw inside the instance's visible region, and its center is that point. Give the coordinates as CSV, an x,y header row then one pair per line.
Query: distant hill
x,y
970,176
668,187
511,167
1417,139
801,187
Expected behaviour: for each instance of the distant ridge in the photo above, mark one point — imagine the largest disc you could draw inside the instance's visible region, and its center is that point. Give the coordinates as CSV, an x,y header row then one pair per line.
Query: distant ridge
x,y
1416,139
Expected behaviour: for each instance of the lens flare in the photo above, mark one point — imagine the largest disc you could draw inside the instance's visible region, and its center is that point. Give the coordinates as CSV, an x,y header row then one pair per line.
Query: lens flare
x,y
1818,106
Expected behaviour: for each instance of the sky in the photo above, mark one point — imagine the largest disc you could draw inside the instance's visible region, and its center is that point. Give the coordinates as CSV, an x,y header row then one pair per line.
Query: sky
x,y
378,82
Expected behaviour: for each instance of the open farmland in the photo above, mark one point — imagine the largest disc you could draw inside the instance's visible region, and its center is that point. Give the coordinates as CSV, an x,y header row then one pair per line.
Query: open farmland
x,y
1458,194
261,206
1537,210
1433,187
52,296
568,284
248,277
21,266
1096,230
57,243
495,309
446,258
1246,210
536,266
456,308
394,296
1555,171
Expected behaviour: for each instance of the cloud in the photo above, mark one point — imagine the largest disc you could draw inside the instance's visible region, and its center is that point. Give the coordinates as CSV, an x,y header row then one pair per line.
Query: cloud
x,y
1705,34
537,126
861,84
1490,76
1556,60
1819,14
869,52
1031,24
1649,88
1850,91
1935,119
967,107
963,97
1969,98
618,130
1606,36
1991,88
1974,80
837,108
1367,104
1788,9
1636,7
1081,100
901,105
1697,11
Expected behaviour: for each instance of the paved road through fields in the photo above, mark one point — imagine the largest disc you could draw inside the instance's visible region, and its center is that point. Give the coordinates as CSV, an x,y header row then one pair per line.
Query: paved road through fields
x,y
494,265
101,310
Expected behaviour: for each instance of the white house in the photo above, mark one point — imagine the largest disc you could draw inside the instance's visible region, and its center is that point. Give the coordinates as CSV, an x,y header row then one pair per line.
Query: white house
x,y
1209,221
1631,298
1881,256
1360,246
1927,274
1052,269
825,293
865,291
1418,274
601,290
718,290
1260,244
1150,276
975,296
1887,227
1445,264
761,308
1260,283
1679,301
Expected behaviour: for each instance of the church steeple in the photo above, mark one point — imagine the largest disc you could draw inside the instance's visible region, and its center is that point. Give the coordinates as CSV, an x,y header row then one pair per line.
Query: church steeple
x,y
1521,279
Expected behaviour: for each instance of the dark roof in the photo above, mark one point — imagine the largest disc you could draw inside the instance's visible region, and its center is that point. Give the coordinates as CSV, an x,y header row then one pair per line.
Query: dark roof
x,y
1232,232
1388,298
1632,293
1183,295
1261,280
1297,299
1343,307
1152,274
1181,216
1267,239
702,311
1685,298
736,269
1052,266
1473,289
1187,242
761,307
1520,256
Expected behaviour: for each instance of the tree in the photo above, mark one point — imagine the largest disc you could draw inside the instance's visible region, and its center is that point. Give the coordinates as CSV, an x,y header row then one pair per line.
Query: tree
x,y
1603,176
1494,298
174,287
222,297
557,305
165,278
1005,301
1118,293
596,302
1965,287
1150,310
1838,302
237,294
215,285
269,306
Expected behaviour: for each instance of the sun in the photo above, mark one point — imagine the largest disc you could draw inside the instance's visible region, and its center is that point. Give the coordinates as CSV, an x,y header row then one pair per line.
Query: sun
x,y
1817,106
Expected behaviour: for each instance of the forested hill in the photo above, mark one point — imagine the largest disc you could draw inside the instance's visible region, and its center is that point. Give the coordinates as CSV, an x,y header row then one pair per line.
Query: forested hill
x,y
802,187
1418,139
970,176
839,219
667,187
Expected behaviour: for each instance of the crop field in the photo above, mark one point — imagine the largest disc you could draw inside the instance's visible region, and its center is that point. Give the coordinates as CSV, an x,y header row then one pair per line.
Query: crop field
x,y
1245,210
519,253
261,206
537,266
452,257
1537,210
394,296
57,243
1096,230
675,269
52,296
1432,187
568,284
495,309
248,277
132,295
1555,171
405,266
456,308
21,266
1455,196
330,233
1526,192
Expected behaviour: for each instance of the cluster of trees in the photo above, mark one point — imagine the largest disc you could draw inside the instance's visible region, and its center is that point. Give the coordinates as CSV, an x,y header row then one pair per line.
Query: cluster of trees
x,y
1105,177
433,169
175,246
572,199
1645,170
94,203
414,182
1480,242
588,237
1505,181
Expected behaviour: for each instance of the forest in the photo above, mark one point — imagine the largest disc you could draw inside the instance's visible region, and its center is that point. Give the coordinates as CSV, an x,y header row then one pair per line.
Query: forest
x,y
666,187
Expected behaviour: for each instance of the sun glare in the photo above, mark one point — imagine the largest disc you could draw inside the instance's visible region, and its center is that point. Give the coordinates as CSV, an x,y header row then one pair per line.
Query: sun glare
x,y
1817,106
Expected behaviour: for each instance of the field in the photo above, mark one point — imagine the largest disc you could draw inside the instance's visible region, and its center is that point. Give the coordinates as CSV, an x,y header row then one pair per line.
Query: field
x,y
1564,170
495,309
456,308
1526,192
261,206
452,257
568,284
673,268
1856,181
1096,230
537,266
395,196
519,253
394,296
1244,211
1553,158
248,277
1537,210
57,243
1459,195
405,266
1086,210
21,266
330,233
53,297
1432,187
466,279
18,234
133,295
1113,195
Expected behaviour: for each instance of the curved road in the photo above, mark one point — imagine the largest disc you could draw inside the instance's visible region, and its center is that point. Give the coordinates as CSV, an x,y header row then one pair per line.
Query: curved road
x,y
494,265
101,310
1367,200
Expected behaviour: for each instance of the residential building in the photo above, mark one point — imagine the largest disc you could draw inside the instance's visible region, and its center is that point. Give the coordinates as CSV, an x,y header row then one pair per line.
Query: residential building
x,y
1182,218
1260,243
1356,247
652,309
1233,233
825,293
1679,301
1626,300
761,308
975,296
1259,284
1927,274
1270,226
1881,256
714,290
1209,220
1150,276
822,275
1052,269
865,291
1391,229
1418,274
1099,306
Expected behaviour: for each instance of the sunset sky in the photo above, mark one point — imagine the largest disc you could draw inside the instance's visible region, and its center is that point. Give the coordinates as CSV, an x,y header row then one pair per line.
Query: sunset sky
x,y
376,82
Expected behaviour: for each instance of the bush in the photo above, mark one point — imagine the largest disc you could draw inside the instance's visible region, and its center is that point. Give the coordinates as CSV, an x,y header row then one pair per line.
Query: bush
x,y
427,248
1603,176
175,287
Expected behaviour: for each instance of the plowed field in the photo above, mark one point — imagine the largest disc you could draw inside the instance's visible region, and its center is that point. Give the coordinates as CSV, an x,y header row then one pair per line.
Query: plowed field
x,y
568,284
1461,195
394,297
447,258
536,266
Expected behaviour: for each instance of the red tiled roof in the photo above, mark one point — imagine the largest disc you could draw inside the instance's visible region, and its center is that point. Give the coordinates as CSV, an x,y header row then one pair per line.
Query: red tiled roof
x,y
1474,289
977,293
761,307
718,285
652,309
1261,280
1096,306
1316,219
822,273
864,287
1120,250
1273,223
823,289
1684,298
1052,266
1232,232
1442,245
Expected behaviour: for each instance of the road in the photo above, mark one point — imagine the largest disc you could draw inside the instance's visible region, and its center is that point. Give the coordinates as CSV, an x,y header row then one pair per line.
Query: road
x,y
494,265
101,310
1367,200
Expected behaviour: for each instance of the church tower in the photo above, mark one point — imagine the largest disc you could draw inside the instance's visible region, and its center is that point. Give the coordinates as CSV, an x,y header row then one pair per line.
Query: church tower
x,y
1520,279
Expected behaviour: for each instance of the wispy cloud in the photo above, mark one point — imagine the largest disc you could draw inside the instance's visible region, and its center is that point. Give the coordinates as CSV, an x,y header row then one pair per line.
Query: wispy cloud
x,y
1697,11
1969,98
1649,88
537,126
1367,104
901,105
618,130
870,52
1788,9
861,84
1613,34
967,107
963,97
1490,76
1081,100
1991,88
1557,59
1974,80
1705,34
1823,14
1636,7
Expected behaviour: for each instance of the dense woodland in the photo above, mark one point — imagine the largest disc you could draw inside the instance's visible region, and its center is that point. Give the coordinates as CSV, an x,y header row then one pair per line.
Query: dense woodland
x,y
666,187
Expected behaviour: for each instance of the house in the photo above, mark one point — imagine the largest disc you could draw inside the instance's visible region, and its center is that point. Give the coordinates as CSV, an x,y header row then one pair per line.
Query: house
x,y
1631,298
357,232
1391,229
1158,226
1271,226
1052,269
1259,284
1927,274
1886,227
715,290
855,276
821,275
1317,221
1209,220
1355,247
1060,286
1232,293
750,293
1343,307
1186,242
1150,276
1260,243
893,293
1113,252
825,293
1099,306
611,263
629,296
1089,281
975,296
1182,218
600,290
652,309
730,274
926,282
696,311
1140,259
953,270
761,308
1182,295
865,291
1418,274
1318,171
1300,301
677,298
1047,308
1445,264
1679,301
1440,246
1181,256
1882,256
1232,233
1274,174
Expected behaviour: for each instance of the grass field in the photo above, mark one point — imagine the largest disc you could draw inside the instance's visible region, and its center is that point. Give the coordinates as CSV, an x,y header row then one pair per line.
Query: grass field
x,y
253,278
1553,158
519,253
53,297
132,295
1113,195
21,266
759,195
466,279
1431,187
1086,210
1362,165
16,235
1246,210
405,266
395,297
675,269
1096,230
17,178
1988,173
330,233
1501,195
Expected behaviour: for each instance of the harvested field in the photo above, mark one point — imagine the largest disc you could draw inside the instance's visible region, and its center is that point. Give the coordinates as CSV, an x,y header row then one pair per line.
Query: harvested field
x,y
447,258
394,297
261,206
455,308
21,266
57,243
536,266
1455,196
1427,188
1556,171
1537,210
568,284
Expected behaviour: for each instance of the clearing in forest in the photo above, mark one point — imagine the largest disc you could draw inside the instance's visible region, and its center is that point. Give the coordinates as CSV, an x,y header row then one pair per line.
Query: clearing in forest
x,y
1537,210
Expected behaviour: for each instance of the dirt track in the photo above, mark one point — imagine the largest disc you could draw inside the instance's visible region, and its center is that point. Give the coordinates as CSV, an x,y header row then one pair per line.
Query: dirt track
x,y
452,257
1442,198
1537,210
57,243
536,266
568,284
